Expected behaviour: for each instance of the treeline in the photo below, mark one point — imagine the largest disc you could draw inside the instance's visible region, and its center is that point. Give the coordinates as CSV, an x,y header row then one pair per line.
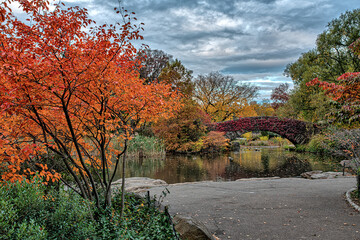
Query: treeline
x,y
336,53
206,99
327,89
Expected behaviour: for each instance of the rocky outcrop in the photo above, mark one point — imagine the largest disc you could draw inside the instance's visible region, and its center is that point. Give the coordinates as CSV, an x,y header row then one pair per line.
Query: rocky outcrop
x,y
188,227
323,175
351,164
191,229
139,184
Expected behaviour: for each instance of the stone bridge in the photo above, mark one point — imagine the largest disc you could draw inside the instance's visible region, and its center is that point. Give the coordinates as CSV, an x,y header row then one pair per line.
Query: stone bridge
x,y
297,132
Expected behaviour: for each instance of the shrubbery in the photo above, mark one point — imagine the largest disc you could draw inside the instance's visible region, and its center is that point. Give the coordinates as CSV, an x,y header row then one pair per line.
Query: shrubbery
x,y
317,143
150,146
32,211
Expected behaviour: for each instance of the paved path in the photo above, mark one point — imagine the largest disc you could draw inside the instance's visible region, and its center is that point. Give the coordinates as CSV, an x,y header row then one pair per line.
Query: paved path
x,y
288,208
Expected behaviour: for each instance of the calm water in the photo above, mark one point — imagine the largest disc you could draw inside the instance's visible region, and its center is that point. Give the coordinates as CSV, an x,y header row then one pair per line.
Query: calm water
x,y
249,162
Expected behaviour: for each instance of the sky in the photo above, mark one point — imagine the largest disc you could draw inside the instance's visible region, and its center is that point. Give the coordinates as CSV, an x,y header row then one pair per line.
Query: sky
x,y
251,40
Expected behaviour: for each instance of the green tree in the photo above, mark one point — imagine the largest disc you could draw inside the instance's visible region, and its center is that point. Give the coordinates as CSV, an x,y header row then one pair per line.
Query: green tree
x,y
306,104
345,93
327,61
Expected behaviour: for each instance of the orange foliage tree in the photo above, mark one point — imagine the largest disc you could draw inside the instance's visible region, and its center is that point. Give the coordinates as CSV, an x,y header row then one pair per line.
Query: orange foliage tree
x,y
188,131
183,132
71,89
215,141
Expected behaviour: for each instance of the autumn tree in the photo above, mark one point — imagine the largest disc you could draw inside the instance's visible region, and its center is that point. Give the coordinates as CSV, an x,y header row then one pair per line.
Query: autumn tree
x,y
72,89
188,131
327,61
183,132
222,97
152,63
346,92
247,110
263,108
255,109
156,65
180,78
280,95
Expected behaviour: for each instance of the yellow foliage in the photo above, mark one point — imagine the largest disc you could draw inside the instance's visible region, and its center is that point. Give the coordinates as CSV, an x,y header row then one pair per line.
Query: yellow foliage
x,y
247,135
264,138
248,111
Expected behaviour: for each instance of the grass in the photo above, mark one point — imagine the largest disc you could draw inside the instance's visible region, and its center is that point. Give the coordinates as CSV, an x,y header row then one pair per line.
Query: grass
x,y
142,146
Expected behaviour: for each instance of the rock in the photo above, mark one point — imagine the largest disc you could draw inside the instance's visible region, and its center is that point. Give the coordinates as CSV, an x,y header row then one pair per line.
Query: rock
x,y
322,175
139,184
309,174
252,179
337,174
319,176
352,164
191,229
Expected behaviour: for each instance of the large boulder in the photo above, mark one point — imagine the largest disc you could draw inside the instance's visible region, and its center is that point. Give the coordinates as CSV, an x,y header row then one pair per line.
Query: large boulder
x,y
191,229
139,184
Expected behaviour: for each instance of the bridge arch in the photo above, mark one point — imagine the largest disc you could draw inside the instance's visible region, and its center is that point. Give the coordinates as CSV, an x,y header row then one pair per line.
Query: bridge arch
x,y
296,131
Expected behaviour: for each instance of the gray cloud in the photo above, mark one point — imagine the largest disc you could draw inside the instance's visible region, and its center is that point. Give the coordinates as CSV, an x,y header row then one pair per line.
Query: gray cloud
x,y
251,68
251,39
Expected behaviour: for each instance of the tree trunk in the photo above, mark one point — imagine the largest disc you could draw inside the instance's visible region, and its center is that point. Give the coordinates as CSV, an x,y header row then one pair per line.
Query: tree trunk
x,y
123,186
358,183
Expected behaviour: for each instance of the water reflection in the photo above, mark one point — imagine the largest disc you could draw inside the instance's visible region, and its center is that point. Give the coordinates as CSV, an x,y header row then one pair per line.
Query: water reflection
x,y
249,162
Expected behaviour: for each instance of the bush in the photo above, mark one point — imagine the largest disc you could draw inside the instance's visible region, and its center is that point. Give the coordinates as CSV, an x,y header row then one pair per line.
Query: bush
x,y
248,136
242,141
278,141
258,143
344,143
57,214
264,138
301,148
30,231
264,133
316,144
215,141
143,220
289,148
30,211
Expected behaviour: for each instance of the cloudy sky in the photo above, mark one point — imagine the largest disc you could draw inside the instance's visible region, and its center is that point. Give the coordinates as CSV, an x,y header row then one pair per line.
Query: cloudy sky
x,y
252,40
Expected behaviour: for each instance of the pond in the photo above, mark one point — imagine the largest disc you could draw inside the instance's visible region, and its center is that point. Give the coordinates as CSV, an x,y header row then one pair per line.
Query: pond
x,y
247,163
